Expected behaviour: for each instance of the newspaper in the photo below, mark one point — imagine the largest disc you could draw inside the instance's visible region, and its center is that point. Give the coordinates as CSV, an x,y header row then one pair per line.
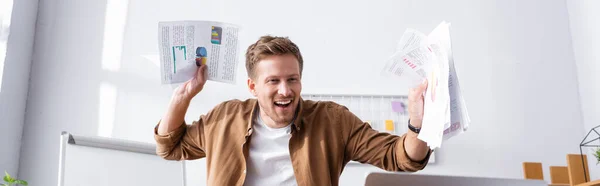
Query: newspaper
x,y
408,63
459,117
436,114
185,45
420,57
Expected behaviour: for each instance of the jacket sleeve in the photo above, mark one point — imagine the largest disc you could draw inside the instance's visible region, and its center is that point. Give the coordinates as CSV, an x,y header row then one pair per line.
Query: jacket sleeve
x,y
383,150
187,142
182,143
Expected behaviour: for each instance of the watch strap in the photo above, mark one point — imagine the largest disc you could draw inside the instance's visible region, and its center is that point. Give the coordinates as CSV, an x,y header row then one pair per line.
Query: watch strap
x,y
413,128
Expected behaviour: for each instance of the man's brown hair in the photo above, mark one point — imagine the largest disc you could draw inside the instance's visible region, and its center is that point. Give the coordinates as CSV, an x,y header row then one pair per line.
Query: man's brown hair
x,y
269,46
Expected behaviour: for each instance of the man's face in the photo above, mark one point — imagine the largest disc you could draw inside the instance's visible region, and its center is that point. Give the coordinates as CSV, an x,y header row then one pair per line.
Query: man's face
x,y
277,87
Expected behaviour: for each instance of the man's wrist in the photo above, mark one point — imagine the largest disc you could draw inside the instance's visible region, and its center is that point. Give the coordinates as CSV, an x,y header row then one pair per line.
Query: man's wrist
x,y
179,104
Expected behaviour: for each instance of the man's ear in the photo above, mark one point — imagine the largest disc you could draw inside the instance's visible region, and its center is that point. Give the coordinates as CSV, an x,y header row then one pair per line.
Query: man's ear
x,y
252,86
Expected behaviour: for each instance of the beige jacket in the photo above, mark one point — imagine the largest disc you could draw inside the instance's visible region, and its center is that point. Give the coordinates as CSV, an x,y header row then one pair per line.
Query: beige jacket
x,y
325,137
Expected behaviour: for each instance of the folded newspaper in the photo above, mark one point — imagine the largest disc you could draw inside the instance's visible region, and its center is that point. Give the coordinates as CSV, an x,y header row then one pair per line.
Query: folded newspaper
x,y
185,45
420,57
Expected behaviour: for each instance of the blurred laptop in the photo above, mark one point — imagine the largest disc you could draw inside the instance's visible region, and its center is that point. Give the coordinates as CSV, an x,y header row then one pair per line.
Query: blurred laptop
x,y
403,179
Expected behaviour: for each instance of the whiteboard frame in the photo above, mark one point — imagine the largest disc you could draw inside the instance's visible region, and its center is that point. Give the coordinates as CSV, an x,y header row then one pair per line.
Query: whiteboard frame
x,y
105,143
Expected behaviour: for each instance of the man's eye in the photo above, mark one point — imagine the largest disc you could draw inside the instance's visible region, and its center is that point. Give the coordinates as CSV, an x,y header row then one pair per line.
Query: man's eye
x,y
273,81
293,79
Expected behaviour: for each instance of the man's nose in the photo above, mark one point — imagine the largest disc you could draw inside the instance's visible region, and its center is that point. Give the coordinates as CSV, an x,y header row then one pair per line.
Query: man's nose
x,y
284,89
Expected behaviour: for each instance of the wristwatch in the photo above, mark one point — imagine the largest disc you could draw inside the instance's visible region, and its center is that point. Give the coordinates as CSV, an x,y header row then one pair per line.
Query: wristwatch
x,y
413,128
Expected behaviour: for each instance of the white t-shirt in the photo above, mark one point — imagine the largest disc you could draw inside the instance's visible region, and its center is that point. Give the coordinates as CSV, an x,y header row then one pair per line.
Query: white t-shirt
x,y
269,160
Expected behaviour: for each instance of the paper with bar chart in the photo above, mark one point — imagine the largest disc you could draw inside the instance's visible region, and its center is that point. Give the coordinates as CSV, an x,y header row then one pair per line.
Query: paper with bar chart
x,y
429,57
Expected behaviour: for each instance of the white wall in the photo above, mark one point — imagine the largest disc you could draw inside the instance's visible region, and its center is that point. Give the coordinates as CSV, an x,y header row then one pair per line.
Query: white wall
x,y
15,82
96,72
65,79
585,25
520,98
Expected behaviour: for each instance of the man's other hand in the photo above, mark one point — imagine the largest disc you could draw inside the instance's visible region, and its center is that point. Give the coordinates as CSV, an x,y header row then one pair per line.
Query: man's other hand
x,y
415,104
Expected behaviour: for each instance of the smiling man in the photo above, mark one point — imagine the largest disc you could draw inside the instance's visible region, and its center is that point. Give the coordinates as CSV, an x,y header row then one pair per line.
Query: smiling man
x,y
278,138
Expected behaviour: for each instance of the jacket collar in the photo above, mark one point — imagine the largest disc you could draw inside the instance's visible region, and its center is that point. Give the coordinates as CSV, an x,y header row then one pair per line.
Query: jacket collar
x,y
297,122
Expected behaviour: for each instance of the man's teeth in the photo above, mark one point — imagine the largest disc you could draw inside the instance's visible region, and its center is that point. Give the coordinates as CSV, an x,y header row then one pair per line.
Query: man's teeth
x,y
283,102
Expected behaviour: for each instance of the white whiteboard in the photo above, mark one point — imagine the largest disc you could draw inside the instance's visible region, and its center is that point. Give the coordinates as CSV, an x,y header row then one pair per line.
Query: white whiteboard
x,y
98,161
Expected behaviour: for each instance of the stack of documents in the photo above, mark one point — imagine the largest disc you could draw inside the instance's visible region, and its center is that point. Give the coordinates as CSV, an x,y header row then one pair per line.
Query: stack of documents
x,y
185,45
420,57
